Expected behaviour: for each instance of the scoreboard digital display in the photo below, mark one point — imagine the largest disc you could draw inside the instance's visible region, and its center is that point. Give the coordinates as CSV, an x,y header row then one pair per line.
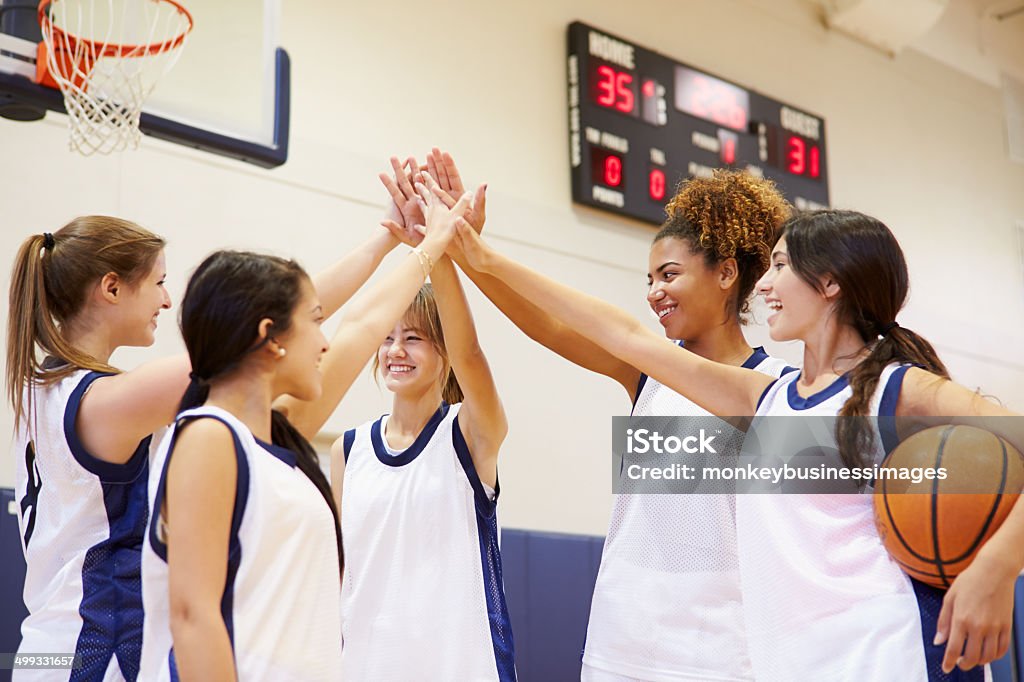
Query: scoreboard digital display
x,y
640,122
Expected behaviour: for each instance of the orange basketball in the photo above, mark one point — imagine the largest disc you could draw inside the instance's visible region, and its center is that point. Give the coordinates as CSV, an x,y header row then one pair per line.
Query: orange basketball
x,y
932,532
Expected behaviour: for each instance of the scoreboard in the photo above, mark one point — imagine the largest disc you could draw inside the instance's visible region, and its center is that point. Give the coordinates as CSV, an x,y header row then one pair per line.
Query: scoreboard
x,y
640,122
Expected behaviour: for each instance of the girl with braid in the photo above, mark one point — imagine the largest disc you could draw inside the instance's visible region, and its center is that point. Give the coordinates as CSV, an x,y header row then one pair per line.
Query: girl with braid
x,y
821,597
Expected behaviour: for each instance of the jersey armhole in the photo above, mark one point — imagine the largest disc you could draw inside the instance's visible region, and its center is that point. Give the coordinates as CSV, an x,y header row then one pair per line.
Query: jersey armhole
x,y
639,388
346,443
764,393
241,490
485,506
108,472
887,409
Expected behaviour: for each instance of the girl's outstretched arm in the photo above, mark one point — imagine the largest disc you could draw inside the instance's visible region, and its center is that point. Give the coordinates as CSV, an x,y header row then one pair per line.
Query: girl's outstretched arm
x,y
721,389
531,320
481,417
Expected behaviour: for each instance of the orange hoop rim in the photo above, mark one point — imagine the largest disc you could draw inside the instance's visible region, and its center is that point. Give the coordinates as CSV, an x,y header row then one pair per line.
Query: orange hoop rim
x,y
116,49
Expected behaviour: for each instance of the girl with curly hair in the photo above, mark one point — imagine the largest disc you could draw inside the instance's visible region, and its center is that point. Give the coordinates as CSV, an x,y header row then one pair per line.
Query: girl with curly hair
x,y
822,599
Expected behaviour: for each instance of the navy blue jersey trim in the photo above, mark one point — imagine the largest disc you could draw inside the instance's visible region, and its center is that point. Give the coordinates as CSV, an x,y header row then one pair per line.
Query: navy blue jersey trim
x,y
111,606
639,389
347,441
787,369
411,452
108,472
502,640
490,562
756,358
238,512
798,402
241,491
282,453
33,486
929,603
764,393
484,505
172,666
887,409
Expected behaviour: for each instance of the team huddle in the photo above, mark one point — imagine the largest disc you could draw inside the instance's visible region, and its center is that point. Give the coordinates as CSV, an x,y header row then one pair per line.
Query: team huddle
x,y
176,523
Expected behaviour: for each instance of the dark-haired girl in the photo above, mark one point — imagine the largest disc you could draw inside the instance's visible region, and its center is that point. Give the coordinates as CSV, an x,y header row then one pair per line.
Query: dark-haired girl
x,y
423,597
669,561
84,429
821,596
243,559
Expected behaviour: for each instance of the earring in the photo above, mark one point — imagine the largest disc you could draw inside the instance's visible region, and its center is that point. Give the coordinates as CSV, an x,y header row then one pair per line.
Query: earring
x,y
281,352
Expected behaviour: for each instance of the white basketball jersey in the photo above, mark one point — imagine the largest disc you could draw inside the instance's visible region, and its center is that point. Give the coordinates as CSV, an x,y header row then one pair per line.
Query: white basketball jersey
x,y
667,601
823,599
82,521
422,597
281,601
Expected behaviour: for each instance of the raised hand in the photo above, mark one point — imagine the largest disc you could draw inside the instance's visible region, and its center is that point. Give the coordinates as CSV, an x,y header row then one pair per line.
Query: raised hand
x,y
472,249
404,213
440,218
441,167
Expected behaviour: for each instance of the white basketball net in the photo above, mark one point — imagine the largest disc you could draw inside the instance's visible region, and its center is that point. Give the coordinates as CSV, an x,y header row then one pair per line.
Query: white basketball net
x,y
107,56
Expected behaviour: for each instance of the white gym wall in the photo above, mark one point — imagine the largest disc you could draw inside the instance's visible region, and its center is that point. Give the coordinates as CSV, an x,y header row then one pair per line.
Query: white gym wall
x,y
910,140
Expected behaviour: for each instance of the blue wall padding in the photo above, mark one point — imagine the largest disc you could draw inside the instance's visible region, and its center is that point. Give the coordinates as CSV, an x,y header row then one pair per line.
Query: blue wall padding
x,y
513,571
12,579
549,579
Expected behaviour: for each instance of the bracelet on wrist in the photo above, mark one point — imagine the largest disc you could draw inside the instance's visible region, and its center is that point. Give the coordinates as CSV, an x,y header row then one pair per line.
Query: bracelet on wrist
x,y
426,262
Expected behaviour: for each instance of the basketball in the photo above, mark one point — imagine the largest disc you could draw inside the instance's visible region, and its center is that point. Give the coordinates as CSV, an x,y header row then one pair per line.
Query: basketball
x,y
934,528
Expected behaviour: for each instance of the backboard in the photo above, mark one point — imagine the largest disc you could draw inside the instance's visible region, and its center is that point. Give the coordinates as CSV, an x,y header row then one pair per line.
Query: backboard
x,y
228,94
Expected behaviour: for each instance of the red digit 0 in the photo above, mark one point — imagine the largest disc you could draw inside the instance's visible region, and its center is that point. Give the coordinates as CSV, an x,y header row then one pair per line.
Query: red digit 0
x,y
656,184
612,171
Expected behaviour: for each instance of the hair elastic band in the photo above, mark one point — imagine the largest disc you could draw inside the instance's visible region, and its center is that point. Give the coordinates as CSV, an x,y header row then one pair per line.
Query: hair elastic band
x,y
48,242
889,327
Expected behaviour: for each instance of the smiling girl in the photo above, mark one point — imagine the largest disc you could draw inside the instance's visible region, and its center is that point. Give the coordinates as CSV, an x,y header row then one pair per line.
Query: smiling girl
x,y
243,556
423,595
821,596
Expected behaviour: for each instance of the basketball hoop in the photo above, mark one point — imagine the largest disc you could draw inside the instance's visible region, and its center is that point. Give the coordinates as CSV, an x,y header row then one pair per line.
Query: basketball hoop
x,y
106,56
